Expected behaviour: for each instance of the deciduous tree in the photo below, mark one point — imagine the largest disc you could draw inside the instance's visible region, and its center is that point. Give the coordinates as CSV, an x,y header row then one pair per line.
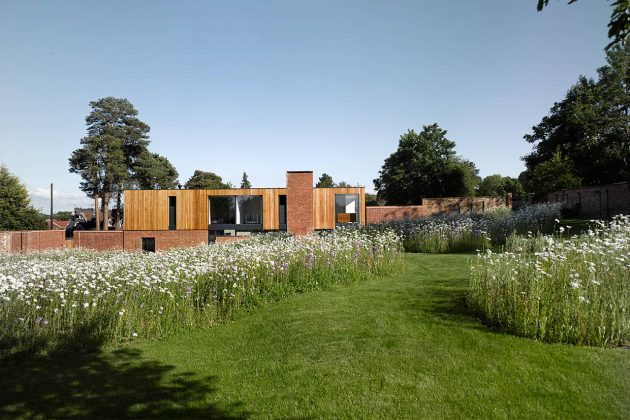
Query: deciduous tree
x,y
590,127
16,211
201,180
424,165
497,185
619,25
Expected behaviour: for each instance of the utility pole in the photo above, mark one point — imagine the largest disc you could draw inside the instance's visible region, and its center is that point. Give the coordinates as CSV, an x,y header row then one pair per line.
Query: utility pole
x,y
51,205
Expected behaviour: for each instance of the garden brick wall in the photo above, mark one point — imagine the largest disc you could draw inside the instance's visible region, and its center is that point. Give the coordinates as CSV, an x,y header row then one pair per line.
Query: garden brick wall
x,y
10,242
164,239
113,240
436,206
300,203
600,202
31,240
110,240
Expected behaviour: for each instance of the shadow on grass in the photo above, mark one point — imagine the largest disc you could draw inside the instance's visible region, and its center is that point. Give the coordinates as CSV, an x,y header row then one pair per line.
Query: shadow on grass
x,y
444,301
104,385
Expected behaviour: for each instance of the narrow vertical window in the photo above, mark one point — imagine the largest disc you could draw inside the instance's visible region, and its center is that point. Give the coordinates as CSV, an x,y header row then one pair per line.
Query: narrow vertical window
x,y
172,213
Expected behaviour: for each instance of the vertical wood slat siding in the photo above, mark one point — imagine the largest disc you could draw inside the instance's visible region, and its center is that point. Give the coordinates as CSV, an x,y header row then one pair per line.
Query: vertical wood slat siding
x,y
324,205
148,209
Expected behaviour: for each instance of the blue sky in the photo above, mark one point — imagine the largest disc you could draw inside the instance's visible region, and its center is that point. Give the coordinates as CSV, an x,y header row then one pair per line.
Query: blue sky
x,y
271,86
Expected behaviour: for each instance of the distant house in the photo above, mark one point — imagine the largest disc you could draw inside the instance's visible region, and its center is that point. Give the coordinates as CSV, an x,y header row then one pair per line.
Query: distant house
x,y
57,224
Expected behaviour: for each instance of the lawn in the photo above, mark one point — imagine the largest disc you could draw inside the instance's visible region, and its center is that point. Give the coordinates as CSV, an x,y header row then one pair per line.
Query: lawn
x,y
398,346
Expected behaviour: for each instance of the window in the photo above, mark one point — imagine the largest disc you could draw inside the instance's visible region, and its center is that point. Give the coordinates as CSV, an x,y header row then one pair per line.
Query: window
x,y
172,213
235,210
222,210
148,244
282,212
346,208
249,209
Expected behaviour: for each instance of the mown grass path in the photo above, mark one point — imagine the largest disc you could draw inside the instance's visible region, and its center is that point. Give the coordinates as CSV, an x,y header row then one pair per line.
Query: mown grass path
x,y
399,347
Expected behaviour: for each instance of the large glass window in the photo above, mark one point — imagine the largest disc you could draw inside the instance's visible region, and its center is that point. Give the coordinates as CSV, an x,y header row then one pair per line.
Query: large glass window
x,y
248,209
347,208
222,210
239,210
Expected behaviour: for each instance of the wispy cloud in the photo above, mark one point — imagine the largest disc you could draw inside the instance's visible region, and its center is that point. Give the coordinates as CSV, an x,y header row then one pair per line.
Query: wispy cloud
x,y
62,200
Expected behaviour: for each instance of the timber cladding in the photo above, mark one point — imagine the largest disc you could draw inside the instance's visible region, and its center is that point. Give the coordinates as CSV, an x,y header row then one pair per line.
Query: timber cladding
x,y
148,209
324,205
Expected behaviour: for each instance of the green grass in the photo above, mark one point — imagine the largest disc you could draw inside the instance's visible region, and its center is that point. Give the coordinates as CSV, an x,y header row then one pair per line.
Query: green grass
x,y
403,346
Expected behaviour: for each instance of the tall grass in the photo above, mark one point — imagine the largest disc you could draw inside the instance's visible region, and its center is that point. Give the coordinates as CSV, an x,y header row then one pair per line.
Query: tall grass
x,y
573,290
82,299
469,232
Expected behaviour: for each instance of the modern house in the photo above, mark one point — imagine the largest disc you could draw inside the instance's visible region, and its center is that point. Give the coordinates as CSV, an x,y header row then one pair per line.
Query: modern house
x,y
299,208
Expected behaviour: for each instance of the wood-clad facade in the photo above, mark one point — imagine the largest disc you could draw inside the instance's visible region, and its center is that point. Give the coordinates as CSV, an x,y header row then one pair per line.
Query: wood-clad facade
x,y
147,210
324,205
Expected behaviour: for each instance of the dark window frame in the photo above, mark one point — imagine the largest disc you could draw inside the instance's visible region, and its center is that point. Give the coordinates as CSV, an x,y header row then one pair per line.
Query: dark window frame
x,y
148,244
172,212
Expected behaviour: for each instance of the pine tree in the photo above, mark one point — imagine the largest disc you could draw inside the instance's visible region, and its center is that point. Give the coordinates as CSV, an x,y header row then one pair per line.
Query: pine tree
x,y
245,182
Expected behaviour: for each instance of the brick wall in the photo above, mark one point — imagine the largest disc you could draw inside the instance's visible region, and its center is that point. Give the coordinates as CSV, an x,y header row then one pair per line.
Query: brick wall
x,y
110,240
165,239
10,242
300,202
436,206
51,239
596,202
31,240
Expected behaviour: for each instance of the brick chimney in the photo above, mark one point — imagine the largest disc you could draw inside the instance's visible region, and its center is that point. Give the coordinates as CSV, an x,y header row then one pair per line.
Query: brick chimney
x,y
300,202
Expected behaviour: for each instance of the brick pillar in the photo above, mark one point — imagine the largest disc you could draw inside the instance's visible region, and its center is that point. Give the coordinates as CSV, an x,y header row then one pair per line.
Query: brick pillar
x,y
300,202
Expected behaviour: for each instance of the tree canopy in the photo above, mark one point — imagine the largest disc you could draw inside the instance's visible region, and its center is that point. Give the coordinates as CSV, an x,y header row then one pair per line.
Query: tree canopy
x,y
16,211
201,180
155,172
619,25
497,185
106,159
245,181
424,165
325,181
588,132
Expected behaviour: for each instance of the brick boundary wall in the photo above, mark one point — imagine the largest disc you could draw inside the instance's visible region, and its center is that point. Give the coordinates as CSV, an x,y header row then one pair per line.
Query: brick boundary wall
x,y
112,240
164,239
300,218
31,240
436,206
10,242
103,240
599,202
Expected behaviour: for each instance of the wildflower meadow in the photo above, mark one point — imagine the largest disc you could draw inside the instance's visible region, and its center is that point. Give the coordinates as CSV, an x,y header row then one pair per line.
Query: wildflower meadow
x,y
473,231
551,288
83,299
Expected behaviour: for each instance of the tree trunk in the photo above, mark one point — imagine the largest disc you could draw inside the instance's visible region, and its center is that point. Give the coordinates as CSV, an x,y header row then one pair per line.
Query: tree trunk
x,y
96,212
118,203
106,198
